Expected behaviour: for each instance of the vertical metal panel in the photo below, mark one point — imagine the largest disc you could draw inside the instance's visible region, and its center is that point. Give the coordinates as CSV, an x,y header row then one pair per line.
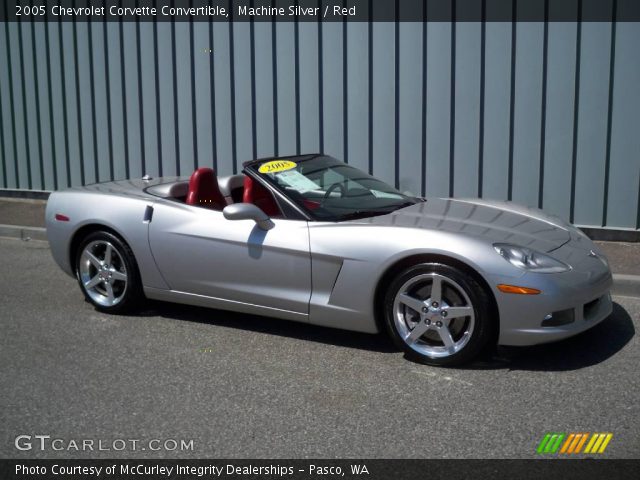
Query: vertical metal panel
x,y
100,91
467,109
333,93
264,88
496,109
358,84
183,95
559,118
168,126
242,59
55,95
41,78
222,79
132,100
69,76
85,86
439,112
309,87
203,56
410,129
23,150
30,102
592,122
103,118
286,88
116,93
3,158
624,169
9,155
527,112
148,90
383,85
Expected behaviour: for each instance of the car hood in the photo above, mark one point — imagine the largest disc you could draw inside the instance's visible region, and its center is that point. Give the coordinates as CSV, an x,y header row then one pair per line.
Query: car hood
x,y
493,221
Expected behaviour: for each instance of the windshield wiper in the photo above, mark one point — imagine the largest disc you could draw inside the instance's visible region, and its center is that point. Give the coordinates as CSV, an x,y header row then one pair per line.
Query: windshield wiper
x,y
372,213
362,214
404,205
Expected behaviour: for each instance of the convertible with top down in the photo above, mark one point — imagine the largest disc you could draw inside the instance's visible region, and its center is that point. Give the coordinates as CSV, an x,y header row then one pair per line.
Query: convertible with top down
x,y
311,239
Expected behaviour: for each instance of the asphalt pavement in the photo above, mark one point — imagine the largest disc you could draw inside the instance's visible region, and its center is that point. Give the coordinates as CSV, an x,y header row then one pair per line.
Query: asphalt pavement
x,y
246,386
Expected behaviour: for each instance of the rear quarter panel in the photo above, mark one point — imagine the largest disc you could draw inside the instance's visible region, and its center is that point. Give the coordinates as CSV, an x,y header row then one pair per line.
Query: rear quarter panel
x,y
124,215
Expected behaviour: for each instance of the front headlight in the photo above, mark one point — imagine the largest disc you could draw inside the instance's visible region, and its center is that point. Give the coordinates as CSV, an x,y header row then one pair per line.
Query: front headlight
x,y
528,259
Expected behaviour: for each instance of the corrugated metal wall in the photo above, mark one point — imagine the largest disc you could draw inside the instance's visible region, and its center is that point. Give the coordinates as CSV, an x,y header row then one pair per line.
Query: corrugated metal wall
x,y
545,114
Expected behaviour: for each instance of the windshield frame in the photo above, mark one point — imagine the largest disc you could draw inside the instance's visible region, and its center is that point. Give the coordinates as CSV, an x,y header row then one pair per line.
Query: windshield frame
x,y
252,168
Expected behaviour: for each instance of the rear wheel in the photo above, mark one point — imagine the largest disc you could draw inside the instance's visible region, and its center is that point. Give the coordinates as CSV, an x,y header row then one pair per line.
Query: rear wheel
x,y
107,273
438,314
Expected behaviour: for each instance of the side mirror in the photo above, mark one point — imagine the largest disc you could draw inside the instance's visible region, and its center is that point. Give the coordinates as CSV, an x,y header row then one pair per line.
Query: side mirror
x,y
248,211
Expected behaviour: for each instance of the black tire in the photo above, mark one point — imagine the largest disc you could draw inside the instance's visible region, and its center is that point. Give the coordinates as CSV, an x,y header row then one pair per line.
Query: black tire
x,y
481,324
129,292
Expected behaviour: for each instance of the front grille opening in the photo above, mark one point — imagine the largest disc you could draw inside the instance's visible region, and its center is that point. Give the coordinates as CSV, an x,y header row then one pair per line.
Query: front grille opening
x,y
561,317
591,308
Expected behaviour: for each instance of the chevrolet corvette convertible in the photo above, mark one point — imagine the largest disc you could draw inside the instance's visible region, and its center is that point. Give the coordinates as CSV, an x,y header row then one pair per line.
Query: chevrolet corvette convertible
x,y
311,239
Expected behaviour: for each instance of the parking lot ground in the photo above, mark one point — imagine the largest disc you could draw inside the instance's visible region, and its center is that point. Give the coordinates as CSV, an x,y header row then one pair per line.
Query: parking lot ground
x,y
246,386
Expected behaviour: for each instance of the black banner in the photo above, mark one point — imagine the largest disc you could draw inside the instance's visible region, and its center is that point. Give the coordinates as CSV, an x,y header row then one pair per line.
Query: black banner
x,y
321,10
582,469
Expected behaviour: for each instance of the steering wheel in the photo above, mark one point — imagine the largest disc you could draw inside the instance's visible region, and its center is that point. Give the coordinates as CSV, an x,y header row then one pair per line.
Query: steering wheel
x,y
334,187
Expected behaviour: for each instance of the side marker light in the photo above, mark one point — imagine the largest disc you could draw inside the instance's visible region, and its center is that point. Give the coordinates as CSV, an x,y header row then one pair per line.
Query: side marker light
x,y
518,290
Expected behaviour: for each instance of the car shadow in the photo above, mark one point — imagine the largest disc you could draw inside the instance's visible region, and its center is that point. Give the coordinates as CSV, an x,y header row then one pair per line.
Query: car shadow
x,y
271,326
589,348
584,350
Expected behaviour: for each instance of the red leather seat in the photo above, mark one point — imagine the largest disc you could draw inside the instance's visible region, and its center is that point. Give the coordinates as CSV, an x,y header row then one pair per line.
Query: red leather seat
x,y
261,197
204,190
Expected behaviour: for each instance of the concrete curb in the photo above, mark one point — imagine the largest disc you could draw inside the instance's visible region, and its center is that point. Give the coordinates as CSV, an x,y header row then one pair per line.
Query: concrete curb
x,y
23,233
626,285
623,285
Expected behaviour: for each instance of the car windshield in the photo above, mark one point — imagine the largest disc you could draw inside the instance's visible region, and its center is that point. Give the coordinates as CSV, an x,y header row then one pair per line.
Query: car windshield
x,y
328,189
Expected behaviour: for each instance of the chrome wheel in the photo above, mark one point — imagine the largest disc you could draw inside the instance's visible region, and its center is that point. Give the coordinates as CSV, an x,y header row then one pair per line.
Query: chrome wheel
x,y
102,273
433,315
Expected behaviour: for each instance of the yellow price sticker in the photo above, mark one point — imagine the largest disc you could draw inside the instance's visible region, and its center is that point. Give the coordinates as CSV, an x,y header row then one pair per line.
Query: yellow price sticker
x,y
277,166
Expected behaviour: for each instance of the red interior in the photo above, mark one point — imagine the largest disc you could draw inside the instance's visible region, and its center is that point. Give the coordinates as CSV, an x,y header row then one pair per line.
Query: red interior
x,y
204,190
259,196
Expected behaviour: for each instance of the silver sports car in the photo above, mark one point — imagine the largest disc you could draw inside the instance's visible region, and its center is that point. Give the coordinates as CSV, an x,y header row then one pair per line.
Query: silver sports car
x,y
311,239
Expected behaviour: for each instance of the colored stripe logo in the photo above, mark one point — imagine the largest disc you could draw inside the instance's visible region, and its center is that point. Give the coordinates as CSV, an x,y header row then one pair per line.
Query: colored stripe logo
x,y
573,443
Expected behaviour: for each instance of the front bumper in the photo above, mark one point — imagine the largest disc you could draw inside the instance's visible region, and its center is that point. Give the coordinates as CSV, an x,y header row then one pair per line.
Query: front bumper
x,y
581,294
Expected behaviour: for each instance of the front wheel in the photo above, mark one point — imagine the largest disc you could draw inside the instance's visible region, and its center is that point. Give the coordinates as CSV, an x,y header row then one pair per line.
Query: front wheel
x,y
438,314
107,273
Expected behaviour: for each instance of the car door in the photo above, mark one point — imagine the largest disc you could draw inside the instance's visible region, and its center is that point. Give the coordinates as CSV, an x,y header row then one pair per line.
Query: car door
x,y
200,252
